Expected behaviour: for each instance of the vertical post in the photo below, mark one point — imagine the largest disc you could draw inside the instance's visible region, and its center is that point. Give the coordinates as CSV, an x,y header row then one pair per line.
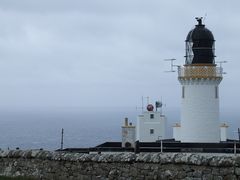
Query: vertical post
x,y
142,104
62,139
161,143
239,134
235,148
161,146
137,148
161,110
147,99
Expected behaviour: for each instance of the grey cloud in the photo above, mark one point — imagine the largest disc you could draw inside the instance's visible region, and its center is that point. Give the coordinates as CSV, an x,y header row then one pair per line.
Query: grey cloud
x,y
70,53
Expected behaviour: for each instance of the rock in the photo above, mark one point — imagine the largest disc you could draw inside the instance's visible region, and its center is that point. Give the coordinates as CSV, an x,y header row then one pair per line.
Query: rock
x,y
207,177
127,157
166,158
155,158
215,171
230,177
144,157
43,164
181,158
4,154
237,171
226,171
223,161
197,174
237,160
195,159
166,174
217,178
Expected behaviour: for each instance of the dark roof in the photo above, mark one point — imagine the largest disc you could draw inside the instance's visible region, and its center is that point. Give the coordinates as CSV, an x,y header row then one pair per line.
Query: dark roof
x,y
200,32
200,44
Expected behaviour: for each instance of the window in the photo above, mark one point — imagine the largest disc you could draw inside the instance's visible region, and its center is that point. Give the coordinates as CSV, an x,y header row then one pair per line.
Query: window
x,y
151,131
151,116
183,92
216,92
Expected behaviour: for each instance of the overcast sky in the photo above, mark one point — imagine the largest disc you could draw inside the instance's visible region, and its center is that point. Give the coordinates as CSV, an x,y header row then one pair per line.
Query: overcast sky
x,y
105,53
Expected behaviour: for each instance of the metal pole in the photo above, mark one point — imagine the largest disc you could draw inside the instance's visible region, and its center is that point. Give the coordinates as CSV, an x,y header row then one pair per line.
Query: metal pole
x,y
235,141
239,134
147,100
161,146
235,148
161,143
62,139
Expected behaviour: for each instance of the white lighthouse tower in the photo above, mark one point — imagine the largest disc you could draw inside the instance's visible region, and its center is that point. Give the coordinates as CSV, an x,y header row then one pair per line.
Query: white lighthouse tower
x,y
200,78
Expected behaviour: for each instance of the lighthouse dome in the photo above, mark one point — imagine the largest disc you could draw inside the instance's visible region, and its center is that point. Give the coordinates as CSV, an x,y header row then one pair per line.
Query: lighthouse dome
x,y
200,45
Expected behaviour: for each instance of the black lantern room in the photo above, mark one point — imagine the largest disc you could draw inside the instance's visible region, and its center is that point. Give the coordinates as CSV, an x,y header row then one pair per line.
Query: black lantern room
x,y
200,45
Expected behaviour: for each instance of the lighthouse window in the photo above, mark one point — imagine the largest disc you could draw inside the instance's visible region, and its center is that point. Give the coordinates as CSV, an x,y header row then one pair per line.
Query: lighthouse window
x,y
151,131
183,92
216,92
151,116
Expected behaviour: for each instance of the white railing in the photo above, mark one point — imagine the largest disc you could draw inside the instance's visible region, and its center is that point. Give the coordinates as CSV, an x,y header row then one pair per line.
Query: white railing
x,y
200,72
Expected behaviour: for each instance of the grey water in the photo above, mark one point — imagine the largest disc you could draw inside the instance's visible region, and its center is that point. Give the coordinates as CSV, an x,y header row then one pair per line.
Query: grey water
x,y
34,129
41,128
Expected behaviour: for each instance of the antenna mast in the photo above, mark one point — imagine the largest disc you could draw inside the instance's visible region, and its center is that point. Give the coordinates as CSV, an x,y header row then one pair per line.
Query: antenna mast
x,y
147,98
220,65
142,107
62,139
172,65
239,134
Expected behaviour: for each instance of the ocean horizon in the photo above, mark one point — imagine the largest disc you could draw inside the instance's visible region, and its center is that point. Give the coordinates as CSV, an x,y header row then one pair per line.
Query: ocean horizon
x,y
86,127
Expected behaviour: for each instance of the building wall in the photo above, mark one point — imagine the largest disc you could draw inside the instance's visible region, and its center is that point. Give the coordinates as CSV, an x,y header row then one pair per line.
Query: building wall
x,y
128,135
200,111
223,132
47,165
145,124
177,133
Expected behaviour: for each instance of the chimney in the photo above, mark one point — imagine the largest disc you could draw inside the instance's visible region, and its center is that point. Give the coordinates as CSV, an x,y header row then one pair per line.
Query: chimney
x,y
126,121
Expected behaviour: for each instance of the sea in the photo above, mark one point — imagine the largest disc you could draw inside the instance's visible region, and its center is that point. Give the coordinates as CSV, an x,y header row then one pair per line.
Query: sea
x,y
83,127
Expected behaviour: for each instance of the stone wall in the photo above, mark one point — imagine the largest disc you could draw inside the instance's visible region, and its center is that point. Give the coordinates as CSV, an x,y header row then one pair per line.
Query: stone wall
x,y
66,166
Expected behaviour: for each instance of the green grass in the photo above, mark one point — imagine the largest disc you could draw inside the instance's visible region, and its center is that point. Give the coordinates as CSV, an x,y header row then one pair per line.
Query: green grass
x,y
15,178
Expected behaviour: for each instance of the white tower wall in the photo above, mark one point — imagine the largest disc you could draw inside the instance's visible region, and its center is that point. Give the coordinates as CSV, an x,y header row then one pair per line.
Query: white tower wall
x,y
200,111
177,132
223,132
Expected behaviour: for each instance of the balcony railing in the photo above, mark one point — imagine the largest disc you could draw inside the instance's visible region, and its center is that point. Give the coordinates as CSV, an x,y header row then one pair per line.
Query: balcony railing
x,y
200,72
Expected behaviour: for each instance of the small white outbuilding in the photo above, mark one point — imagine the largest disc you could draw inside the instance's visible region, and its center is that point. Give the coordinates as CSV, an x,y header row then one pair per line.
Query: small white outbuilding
x,y
151,125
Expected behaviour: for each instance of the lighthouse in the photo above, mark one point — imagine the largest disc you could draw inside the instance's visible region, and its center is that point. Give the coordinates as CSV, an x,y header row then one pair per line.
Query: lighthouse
x,y
200,78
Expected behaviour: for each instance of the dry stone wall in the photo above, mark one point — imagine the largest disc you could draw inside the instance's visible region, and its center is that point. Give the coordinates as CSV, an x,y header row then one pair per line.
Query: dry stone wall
x,y
41,164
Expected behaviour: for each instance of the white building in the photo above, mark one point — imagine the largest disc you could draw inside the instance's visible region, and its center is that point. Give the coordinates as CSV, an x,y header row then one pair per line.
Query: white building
x,y
151,126
199,78
128,134
223,132
177,132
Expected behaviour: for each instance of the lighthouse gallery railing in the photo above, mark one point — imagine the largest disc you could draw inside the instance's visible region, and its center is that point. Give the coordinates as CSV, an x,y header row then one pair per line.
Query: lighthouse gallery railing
x,y
200,72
